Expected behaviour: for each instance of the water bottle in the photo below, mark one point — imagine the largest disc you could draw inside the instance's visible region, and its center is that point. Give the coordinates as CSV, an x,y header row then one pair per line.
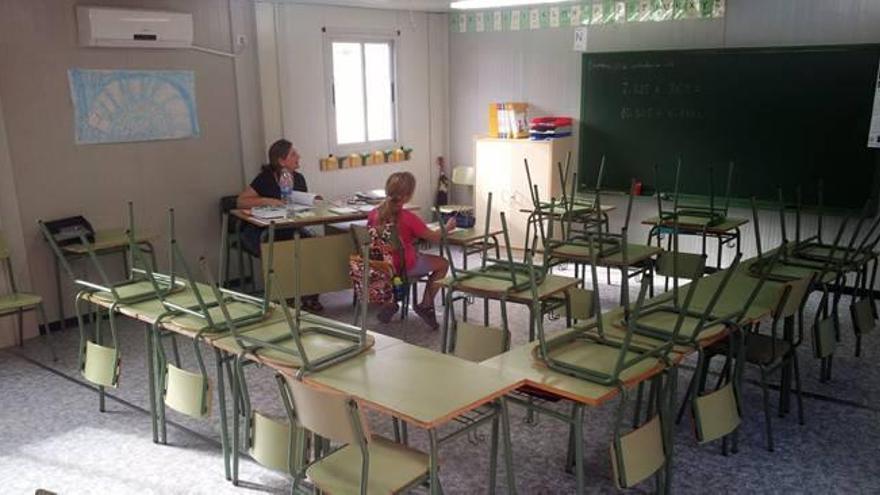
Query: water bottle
x,y
397,285
285,182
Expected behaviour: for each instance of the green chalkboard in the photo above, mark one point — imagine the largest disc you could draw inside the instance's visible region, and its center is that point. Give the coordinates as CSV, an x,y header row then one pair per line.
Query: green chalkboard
x,y
785,116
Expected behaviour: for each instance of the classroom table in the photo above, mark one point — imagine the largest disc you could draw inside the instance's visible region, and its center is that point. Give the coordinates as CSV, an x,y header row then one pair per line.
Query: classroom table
x,y
726,232
107,241
438,387
522,361
549,291
332,250
638,256
223,343
425,389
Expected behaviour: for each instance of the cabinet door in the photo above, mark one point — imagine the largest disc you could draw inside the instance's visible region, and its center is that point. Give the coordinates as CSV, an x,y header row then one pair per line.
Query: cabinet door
x,y
501,170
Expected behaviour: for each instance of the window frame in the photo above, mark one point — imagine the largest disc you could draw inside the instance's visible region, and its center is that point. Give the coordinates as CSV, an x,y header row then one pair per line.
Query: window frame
x,y
358,36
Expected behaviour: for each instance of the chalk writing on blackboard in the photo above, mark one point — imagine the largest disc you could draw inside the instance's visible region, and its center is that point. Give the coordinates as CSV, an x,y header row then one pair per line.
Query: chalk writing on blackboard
x,y
671,88
624,66
660,113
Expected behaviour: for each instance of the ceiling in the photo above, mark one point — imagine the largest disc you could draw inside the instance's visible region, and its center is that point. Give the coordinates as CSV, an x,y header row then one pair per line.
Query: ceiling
x,y
418,5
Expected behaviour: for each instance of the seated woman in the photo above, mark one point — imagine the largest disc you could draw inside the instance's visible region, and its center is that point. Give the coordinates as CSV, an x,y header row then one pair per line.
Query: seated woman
x,y
265,190
399,189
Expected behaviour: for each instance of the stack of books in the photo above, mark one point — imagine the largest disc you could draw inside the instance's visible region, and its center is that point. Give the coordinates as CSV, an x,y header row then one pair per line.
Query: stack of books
x,y
508,120
541,128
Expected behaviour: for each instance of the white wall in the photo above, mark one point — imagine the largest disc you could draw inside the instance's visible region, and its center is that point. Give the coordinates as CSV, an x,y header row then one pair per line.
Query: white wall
x,y
540,67
52,177
294,91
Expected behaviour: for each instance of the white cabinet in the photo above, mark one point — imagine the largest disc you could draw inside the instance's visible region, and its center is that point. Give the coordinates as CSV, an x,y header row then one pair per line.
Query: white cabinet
x,y
501,171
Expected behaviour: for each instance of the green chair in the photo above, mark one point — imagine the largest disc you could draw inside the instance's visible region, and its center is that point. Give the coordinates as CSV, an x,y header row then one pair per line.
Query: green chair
x,y
204,312
17,303
776,352
494,275
677,265
589,353
98,362
306,342
707,215
365,463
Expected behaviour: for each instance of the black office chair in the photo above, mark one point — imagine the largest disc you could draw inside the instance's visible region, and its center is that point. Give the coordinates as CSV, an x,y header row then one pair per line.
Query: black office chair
x,y
233,226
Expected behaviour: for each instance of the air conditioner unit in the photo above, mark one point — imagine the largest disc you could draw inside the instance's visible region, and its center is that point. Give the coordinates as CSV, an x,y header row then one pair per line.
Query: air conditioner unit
x,y
101,26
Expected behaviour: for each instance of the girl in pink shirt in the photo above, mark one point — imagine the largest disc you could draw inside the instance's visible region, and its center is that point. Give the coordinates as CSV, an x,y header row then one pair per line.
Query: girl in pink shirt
x,y
399,189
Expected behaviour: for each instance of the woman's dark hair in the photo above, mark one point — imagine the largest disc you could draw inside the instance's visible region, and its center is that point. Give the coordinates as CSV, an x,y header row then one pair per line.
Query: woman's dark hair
x,y
277,152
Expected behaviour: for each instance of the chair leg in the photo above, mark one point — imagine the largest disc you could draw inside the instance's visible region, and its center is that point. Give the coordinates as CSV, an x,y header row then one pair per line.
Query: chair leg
x,y
687,397
637,411
41,314
20,327
767,415
798,390
175,351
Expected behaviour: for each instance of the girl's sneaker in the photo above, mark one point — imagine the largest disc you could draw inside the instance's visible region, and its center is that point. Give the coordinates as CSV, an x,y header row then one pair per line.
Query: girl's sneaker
x,y
387,312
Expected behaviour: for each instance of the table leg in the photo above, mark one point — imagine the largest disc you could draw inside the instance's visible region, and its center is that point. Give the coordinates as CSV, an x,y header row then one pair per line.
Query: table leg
x,y
578,418
493,452
508,448
434,478
235,425
464,301
151,376
224,426
668,402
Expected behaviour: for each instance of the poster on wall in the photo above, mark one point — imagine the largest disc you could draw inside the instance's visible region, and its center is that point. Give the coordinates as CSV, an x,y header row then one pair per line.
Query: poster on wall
x,y
117,106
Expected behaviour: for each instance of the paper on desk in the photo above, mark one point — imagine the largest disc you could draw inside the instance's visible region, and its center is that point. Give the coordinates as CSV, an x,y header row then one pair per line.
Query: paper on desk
x,y
303,198
343,210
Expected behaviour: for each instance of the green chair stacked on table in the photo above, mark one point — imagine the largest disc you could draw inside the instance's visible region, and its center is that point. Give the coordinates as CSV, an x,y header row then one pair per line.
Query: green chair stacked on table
x,y
576,246
300,341
831,264
17,303
707,215
577,214
203,314
98,362
590,353
494,275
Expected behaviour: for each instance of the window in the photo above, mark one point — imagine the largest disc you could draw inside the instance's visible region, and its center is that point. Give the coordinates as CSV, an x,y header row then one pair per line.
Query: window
x,y
362,108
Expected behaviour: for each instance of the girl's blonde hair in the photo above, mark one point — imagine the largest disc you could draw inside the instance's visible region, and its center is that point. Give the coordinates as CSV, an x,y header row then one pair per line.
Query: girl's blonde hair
x,y
398,189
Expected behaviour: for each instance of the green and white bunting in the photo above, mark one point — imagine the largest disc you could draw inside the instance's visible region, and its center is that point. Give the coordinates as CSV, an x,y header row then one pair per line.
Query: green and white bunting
x,y
593,13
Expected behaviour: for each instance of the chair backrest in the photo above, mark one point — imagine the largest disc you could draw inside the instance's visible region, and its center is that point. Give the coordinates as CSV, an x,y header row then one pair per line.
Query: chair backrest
x,y
689,265
359,235
330,414
478,343
464,176
796,293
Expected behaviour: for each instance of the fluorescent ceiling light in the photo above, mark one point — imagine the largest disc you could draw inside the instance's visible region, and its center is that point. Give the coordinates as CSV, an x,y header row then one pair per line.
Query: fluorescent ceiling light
x,y
489,4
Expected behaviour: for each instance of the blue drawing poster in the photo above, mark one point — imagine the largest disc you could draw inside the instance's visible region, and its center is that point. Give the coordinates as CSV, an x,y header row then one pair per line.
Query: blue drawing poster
x,y
115,106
